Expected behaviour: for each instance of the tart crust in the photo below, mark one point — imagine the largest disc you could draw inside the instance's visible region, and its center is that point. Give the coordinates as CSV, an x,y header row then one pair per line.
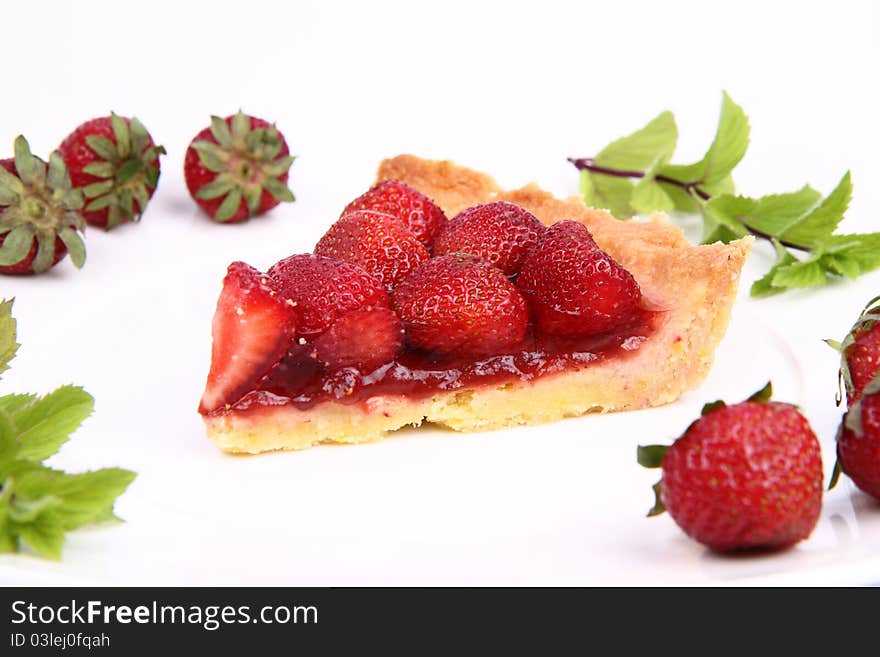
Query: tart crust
x,y
695,286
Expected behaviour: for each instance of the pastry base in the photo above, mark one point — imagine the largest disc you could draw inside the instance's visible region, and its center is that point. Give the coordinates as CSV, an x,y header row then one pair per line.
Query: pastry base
x,y
695,286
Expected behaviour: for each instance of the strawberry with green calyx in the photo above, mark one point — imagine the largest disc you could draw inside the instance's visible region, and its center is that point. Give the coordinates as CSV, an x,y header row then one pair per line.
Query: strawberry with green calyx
x,y
858,438
40,220
745,476
238,167
860,351
116,164
858,442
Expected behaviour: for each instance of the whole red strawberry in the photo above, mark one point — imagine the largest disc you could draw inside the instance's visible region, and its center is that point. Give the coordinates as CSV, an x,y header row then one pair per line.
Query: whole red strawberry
x,y
420,214
858,444
253,328
573,287
237,168
378,242
458,305
860,351
364,338
743,476
500,233
323,289
116,164
40,221
858,439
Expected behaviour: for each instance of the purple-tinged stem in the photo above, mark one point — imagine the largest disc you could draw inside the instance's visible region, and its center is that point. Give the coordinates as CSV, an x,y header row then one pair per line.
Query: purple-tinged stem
x,y
588,164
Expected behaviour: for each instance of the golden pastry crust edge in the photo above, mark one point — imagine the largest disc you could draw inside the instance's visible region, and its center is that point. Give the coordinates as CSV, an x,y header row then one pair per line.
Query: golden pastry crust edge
x,y
695,285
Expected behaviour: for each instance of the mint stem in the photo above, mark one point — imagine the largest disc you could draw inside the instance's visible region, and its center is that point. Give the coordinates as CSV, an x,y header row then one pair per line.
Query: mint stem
x,y
588,164
692,188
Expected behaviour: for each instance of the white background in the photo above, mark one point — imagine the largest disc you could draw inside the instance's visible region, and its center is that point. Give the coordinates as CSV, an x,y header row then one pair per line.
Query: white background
x,y
510,88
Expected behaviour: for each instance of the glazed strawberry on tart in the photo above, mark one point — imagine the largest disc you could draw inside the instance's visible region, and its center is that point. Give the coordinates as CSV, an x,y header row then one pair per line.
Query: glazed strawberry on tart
x,y
438,297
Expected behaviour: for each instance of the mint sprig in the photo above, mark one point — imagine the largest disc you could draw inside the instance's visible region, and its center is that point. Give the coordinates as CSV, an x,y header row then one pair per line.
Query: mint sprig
x,y
633,175
38,504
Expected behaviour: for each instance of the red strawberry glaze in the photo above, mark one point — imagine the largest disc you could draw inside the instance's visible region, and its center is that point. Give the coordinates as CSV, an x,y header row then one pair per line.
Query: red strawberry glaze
x,y
418,374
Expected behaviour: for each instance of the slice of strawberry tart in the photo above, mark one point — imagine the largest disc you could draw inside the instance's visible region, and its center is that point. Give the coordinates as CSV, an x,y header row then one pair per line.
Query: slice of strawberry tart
x,y
438,297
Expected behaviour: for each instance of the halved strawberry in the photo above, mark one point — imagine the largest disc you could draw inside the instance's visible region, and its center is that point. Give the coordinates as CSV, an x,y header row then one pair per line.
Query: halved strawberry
x,y
252,329
365,338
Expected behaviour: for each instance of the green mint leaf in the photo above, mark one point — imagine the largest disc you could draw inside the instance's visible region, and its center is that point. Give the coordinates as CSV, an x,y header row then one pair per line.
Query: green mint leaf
x,y
722,217
715,232
860,250
8,345
12,403
24,510
648,197
681,200
656,141
632,175
841,265
730,143
45,536
8,540
723,186
86,498
46,424
15,467
607,192
728,148
775,213
39,504
822,221
807,273
8,442
764,286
